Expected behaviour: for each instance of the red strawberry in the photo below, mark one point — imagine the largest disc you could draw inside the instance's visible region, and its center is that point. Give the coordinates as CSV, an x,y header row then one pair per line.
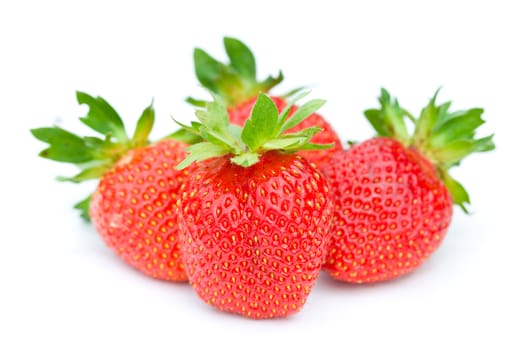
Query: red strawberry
x,y
254,221
132,207
393,193
236,83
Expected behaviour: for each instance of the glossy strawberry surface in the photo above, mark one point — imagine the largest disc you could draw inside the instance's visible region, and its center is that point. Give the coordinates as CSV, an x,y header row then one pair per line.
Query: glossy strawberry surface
x,y
132,209
239,114
391,211
254,239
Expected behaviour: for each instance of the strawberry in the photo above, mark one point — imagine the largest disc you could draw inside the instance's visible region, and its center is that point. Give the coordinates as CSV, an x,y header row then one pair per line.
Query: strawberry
x,y
132,207
236,83
254,220
393,193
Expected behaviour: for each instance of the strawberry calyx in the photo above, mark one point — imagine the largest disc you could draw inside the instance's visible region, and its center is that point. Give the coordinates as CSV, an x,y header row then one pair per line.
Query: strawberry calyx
x,y
94,155
264,131
236,81
442,136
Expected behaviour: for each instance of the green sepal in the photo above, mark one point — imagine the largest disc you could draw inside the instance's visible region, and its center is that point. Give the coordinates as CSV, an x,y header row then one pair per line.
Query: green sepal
x,y
390,119
283,116
261,125
427,121
101,117
214,124
246,159
83,206
184,136
64,146
455,151
264,131
195,102
91,173
144,126
302,113
236,81
460,126
316,146
294,92
215,115
459,195
241,58
202,151
208,69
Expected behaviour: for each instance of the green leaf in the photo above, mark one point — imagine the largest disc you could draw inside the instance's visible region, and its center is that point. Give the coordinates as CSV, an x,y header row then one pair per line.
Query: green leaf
x,y
268,83
208,69
64,146
235,81
457,191
292,141
259,134
295,92
92,173
391,118
94,142
83,206
202,151
262,123
375,118
443,114
283,116
427,121
102,117
316,146
183,135
235,131
195,102
462,126
144,126
193,128
455,151
302,113
246,159
220,139
283,144
215,116
214,126
241,58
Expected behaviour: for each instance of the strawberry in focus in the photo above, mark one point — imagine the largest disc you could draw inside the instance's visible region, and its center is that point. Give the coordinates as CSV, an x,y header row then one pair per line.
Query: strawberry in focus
x,y
254,218
236,84
132,207
393,193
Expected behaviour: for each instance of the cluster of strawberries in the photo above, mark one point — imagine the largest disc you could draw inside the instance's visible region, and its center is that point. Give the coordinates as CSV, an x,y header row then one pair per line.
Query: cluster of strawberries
x,y
253,200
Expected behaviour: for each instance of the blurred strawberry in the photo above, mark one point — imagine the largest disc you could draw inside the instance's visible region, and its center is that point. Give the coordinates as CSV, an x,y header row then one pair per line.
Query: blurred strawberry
x,y
132,207
394,194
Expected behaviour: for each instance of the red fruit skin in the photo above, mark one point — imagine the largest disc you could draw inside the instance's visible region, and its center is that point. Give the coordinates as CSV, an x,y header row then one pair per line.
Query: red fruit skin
x,y
391,211
133,209
254,239
239,114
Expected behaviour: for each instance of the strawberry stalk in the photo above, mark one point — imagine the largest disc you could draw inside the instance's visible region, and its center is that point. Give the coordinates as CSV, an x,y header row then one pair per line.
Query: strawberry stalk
x,y
444,137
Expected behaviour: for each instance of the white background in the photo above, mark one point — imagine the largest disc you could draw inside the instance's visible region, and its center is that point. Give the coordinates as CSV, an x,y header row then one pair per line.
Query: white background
x,y
61,288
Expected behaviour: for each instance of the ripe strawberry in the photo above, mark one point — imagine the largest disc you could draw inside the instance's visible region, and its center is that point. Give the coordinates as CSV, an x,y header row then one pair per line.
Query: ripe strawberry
x,y
236,83
393,193
132,207
254,220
